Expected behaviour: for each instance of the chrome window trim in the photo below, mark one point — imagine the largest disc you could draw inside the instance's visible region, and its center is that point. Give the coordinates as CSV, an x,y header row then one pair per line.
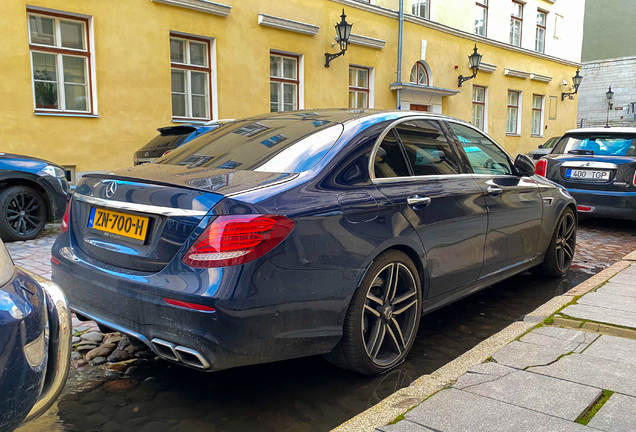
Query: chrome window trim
x,y
141,208
589,164
420,178
381,138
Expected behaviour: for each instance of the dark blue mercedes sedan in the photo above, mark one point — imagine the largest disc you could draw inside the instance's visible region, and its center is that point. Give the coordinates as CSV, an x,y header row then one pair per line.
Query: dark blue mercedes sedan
x,y
302,233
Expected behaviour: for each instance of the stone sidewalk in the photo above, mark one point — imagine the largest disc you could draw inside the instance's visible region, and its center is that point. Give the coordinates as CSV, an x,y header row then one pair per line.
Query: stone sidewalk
x,y
576,371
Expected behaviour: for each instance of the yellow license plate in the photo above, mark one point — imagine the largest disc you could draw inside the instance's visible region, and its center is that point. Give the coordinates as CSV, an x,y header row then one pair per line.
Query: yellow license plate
x,y
121,224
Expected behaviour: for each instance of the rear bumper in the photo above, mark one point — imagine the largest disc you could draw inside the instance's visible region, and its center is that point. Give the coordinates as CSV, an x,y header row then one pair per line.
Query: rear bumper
x,y
616,205
262,313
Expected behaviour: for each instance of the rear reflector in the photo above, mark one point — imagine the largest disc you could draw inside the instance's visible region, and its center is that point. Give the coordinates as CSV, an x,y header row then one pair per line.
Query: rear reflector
x,y
64,226
585,209
541,167
234,240
55,261
187,305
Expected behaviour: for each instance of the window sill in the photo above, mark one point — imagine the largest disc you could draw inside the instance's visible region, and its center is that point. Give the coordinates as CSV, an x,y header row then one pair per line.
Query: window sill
x,y
65,114
536,136
193,121
513,135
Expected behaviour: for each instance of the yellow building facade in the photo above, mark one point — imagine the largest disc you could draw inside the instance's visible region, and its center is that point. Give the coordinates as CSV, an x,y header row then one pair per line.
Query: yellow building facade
x,y
126,90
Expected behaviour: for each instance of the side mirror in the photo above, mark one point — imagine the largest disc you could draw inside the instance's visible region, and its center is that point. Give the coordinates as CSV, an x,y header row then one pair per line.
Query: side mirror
x,y
524,166
541,146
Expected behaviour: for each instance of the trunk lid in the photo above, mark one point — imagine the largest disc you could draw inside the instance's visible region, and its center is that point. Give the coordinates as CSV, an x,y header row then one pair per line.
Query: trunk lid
x,y
602,173
157,208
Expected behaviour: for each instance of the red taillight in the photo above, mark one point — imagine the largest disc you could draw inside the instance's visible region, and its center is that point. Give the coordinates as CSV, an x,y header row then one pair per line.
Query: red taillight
x,y
634,181
165,153
64,226
233,240
585,209
195,306
540,168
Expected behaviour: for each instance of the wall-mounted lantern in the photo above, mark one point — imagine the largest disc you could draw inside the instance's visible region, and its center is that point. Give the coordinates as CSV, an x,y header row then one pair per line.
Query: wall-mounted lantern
x,y
576,82
609,95
475,60
343,31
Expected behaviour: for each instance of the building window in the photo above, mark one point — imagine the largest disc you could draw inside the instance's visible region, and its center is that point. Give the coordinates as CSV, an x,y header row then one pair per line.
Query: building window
x,y
416,107
558,23
513,113
60,59
479,106
421,8
419,75
516,21
539,43
190,70
481,17
537,115
283,82
358,87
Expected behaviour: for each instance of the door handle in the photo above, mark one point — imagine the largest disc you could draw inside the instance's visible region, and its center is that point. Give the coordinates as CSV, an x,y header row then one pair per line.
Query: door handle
x,y
418,201
494,191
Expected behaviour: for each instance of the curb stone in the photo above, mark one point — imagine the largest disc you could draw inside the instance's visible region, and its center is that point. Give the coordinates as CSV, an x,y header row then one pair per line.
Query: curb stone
x,y
427,385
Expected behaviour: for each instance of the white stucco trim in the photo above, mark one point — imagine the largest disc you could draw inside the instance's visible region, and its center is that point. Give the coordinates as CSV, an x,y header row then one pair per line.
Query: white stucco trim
x,y
516,73
542,78
486,67
287,24
356,39
200,5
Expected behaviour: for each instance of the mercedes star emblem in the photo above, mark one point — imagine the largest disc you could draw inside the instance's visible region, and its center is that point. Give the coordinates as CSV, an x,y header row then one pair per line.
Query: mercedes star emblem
x,y
111,188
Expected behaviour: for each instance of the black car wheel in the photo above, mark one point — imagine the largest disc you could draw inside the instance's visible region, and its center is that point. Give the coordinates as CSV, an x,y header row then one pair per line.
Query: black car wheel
x,y
383,317
560,253
22,213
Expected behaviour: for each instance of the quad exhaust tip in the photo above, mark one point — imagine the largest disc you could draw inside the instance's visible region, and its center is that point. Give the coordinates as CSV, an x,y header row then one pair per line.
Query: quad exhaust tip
x,y
180,354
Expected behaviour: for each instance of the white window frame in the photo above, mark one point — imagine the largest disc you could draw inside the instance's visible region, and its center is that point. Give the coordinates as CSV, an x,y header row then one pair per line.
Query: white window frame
x,y
482,6
514,18
543,28
485,110
519,110
542,116
368,90
299,82
60,52
189,68
416,8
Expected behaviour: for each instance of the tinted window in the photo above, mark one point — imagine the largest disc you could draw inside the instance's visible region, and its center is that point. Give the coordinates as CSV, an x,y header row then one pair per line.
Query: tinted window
x,y
550,143
484,156
165,142
389,159
426,147
274,145
598,144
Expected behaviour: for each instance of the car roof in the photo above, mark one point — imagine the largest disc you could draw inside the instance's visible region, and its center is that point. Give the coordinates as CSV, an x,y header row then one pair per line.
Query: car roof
x,y
626,130
342,115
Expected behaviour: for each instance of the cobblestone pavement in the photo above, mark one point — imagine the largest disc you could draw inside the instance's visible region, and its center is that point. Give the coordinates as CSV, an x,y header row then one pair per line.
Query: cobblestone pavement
x,y
304,394
35,255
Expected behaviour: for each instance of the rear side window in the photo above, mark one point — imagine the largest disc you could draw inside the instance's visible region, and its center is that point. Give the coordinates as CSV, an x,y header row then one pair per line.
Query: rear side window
x,y
551,143
427,149
605,144
165,142
281,144
389,159
484,156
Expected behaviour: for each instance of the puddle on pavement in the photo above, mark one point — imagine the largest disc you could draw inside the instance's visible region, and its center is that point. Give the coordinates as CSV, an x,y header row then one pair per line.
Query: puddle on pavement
x,y
298,395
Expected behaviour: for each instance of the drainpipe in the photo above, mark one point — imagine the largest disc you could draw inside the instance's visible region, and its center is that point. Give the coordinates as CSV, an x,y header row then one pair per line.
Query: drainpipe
x,y
399,59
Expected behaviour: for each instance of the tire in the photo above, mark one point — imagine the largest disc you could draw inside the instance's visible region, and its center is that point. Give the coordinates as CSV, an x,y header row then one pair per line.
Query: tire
x,y
381,324
22,213
560,252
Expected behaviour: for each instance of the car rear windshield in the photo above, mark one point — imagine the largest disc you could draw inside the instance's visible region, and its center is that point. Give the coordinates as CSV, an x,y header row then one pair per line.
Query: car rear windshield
x,y
165,142
280,144
598,144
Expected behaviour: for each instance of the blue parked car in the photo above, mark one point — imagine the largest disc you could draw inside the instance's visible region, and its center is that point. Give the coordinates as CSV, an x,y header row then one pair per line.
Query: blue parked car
x,y
35,344
32,192
302,233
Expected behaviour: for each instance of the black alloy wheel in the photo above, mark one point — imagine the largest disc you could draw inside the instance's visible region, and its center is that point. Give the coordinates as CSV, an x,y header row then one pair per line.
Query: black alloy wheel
x,y
390,313
565,242
560,253
383,317
23,213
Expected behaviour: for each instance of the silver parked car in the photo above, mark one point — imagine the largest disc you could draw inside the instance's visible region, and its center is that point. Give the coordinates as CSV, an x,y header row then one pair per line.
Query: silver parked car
x,y
544,149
